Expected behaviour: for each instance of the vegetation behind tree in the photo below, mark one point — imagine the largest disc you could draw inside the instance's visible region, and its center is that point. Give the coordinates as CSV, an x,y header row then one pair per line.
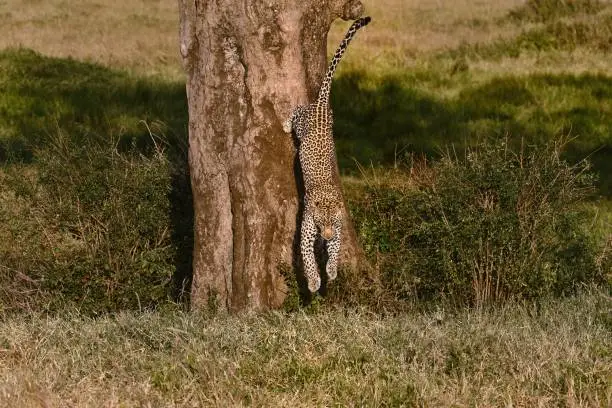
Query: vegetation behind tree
x,y
96,200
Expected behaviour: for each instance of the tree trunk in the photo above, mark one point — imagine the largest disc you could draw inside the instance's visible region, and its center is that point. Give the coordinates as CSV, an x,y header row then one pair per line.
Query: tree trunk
x,y
248,64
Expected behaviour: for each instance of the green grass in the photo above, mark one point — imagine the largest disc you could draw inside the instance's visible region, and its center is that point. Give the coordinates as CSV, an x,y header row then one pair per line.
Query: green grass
x,y
594,34
554,353
481,225
378,117
381,119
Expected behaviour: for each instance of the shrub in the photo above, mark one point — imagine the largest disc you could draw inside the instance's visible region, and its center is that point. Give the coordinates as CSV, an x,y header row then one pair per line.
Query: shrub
x,y
94,227
488,225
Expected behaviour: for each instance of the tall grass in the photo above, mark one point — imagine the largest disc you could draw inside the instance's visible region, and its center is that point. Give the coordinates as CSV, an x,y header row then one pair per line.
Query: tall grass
x,y
96,200
556,353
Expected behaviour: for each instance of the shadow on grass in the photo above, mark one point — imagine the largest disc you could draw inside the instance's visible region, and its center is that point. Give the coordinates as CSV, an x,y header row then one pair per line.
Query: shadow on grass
x,y
381,121
41,96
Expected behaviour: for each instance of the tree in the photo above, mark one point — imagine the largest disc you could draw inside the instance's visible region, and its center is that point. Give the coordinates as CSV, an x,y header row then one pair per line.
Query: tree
x,y
248,63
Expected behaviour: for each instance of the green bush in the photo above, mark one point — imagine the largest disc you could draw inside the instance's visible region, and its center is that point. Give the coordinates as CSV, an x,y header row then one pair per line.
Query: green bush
x,y
95,227
93,214
484,226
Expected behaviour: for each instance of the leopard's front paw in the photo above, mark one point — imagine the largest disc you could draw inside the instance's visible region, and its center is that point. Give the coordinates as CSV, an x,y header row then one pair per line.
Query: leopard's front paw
x,y
314,283
332,271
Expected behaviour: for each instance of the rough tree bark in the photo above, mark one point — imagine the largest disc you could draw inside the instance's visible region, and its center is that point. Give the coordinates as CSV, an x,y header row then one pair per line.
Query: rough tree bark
x,y
248,63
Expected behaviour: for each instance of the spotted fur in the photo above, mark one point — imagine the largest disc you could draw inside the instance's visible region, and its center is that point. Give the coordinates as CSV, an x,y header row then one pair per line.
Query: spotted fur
x,y
323,200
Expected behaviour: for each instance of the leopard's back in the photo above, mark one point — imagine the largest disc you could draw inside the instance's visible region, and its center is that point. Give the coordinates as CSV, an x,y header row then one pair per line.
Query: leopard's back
x,y
317,149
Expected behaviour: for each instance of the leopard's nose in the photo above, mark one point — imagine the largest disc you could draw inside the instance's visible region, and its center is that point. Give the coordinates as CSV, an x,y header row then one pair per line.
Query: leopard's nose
x,y
327,233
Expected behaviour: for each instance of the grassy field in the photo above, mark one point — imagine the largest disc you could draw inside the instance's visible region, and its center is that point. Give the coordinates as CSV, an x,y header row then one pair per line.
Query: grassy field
x,y
423,76
94,209
556,353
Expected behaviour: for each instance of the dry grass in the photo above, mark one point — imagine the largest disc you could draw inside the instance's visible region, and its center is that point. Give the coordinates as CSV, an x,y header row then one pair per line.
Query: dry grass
x,y
576,62
406,34
554,354
142,36
138,35
404,30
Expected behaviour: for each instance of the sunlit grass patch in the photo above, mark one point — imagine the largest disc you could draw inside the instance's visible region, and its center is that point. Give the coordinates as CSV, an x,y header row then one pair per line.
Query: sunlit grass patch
x,y
594,33
135,35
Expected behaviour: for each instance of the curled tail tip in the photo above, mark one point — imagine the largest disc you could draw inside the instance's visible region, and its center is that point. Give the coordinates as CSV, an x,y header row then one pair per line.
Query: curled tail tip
x,y
360,22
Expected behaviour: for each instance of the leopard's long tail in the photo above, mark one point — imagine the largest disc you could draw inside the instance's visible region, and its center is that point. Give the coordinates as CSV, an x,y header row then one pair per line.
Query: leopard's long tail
x,y
323,97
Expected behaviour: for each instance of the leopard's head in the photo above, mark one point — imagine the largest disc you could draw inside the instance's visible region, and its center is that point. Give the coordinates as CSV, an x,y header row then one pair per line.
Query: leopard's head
x,y
326,209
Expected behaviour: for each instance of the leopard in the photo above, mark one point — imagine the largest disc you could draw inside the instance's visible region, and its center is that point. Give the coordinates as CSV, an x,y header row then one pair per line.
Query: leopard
x,y
323,200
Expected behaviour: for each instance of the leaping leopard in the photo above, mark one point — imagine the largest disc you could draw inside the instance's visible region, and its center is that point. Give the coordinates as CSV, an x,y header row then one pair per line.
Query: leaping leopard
x,y
323,199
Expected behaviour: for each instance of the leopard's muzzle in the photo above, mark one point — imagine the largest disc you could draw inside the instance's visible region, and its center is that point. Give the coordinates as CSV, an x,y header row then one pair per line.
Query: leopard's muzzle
x,y
327,232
